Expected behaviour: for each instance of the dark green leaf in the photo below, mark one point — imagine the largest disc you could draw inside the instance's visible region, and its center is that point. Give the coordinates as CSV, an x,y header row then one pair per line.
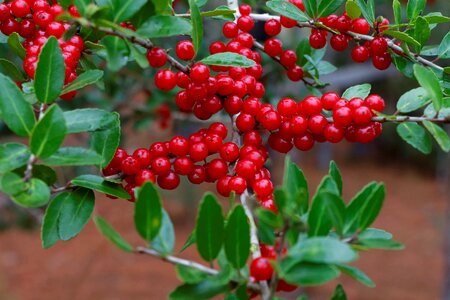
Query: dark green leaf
x,y
82,6
416,136
412,100
397,8
20,116
311,7
12,184
117,52
205,289
48,133
190,275
414,8
165,26
429,81
237,238
86,119
162,7
296,186
324,250
10,69
381,244
228,59
357,274
108,231
221,11
421,31
16,46
339,293
405,66
444,47
336,175
368,10
165,240
87,78
287,9
307,274
44,173
209,228
97,183
327,7
139,54
269,218
13,156
73,156
327,210
197,25
401,36
49,229
105,142
357,91
439,134
303,48
148,212
36,195
123,10
352,9
189,242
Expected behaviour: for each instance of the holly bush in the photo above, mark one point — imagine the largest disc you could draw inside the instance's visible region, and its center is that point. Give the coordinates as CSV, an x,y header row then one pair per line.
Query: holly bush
x,y
265,239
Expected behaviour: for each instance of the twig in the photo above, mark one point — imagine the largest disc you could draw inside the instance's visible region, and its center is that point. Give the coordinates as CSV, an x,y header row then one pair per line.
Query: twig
x,y
279,251
32,160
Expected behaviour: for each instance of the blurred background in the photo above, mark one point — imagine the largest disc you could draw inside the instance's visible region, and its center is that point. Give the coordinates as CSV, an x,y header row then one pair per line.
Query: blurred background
x,y
415,211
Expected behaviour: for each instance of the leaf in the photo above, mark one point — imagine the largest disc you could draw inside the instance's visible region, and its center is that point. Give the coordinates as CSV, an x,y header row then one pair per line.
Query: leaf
x,y
412,100
444,47
416,136
105,142
209,229
220,11
162,7
357,91
439,134
164,26
73,156
16,46
296,187
189,242
324,250
287,9
82,6
197,25
75,212
381,244
327,7
327,210
139,54
13,156
421,31
49,133
303,48
335,173
368,10
307,274
117,52
373,233
148,212
112,235
397,8
357,274
49,229
12,184
339,293
164,242
36,195
414,8
10,69
190,275
352,9
436,18
401,36
50,72
311,7
20,116
365,207
86,119
403,65
237,238
123,10
44,173
97,183
228,59
87,78
205,289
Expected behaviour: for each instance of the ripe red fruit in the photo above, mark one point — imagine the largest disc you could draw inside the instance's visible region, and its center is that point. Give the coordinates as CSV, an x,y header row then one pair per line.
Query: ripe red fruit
x,y
179,146
378,46
339,42
317,40
278,143
362,115
263,188
229,152
245,9
157,57
230,30
287,107
304,142
130,165
218,128
299,125
245,122
381,26
245,23
271,120
169,181
261,269
375,103
317,124
382,62
272,27
185,50
329,100
9,26
161,165
311,105
119,156
299,4
199,73
245,39
273,47
42,18
165,80
4,12
27,28
238,184
246,169
333,133
343,23
217,168
20,8
198,151
223,186
295,73
217,47
144,176
288,58
183,165
342,117
143,156
198,175
361,26
360,54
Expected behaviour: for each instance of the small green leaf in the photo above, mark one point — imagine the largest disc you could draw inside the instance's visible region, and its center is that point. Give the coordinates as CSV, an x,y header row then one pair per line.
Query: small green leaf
x,y
117,52
429,81
357,274
439,134
228,59
106,141
20,116
219,12
416,136
324,250
125,9
13,156
48,133
197,25
36,195
108,231
12,184
164,242
436,18
327,210
10,69
357,91
97,183
335,173
397,8
296,187
414,8
352,9
164,26
381,244
401,36
49,229
444,47
190,275
87,119
311,7
50,72
339,293
287,9
73,156
307,274
368,10
189,242
209,229
44,173
373,233
237,238
16,46
162,7
421,31
87,78
327,7
413,100
82,6
148,212
203,290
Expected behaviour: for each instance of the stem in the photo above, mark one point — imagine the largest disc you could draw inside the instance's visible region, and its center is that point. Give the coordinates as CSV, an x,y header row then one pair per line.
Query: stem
x,y
70,186
32,160
279,251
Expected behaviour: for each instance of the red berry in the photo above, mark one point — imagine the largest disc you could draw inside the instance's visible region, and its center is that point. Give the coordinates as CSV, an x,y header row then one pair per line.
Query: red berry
x,y
382,62
361,26
295,73
130,165
304,142
288,58
169,181
299,4
42,18
143,156
159,149
229,152
157,57
343,23
362,115
230,30
299,125
144,176
342,117
223,186
360,54
218,128
26,28
333,133
183,165
287,23
245,122
273,47
161,165
252,138
317,124
245,39
263,188
165,80
311,105
238,184
4,12
198,151
383,25
378,46
9,26
56,9
339,42
198,175
74,11
179,146
272,27
246,169
245,9
199,73
20,8
329,100
185,50
217,168
245,23
317,40
217,47
287,107
261,269
375,103
271,120
278,143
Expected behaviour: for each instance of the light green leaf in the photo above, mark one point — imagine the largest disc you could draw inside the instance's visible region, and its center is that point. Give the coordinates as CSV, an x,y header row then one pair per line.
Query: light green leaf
x,y
429,81
414,8
368,10
421,31
352,9
416,136
164,26
86,120
327,210
444,47
123,10
324,250
108,231
357,274
148,212
401,36
197,25
164,242
439,134
13,156
397,8
12,184
412,100
105,142
287,9
73,156
203,290
49,229
117,52
311,7
16,46
36,195
296,187
190,275
307,274
97,183
228,59
381,244
87,78
357,91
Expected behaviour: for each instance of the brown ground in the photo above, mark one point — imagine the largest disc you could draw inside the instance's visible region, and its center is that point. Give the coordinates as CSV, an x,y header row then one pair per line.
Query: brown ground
x,y
90,268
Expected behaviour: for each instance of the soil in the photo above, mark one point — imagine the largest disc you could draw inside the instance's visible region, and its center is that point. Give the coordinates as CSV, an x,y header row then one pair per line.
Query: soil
x,y
90,268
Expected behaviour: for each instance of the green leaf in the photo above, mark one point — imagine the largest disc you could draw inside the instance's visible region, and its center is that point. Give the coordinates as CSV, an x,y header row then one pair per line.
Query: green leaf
x,y
416,136
357,91
75,213
339,293
287,9
82,6
209,229
10,69
205,289
49,133
123,10
444,47
87,119
189,242
296,187
327,7
439,134
364,208
190,275
164,26
16,46
36,195
87,78
237,238
307,274
401,36
429,81
12,184
197,25
117,52
97,183
228,59
436,18
303,48
381,244
368,10
49,229
164,242
324,250
404,65
414,8
397,8
357,274
412,100
112,235
44,173
352,9
162,7
221,11
421,31
13,156
139,54
73,156
50,72
148,212
105,142
327,210
20,113
373,233
311,7
335,173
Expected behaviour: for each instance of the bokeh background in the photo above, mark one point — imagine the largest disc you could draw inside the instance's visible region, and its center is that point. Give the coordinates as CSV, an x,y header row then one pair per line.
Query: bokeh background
x,y
415,211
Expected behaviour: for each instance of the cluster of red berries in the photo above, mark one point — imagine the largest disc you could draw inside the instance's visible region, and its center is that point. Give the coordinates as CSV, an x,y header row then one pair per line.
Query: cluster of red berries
x,y
35,21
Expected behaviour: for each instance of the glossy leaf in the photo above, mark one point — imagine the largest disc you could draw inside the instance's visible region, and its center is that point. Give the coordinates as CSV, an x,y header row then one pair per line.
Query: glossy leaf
x,y
339,293
352,9
357,274
439,134
189,242
162,7
165,26
412,100
237,238
97,183
12,184
311,7
20,116
87,78
49,133
16,46
148,212
9,68
111,234
429,81
381,244
416,136
49,229
106,141
197,25
307,274
357,91
13,156
335,173
397,8
164,242
205,289
117,52
444,47
44,173
209,228
36,195
190,275
421,31
324,250
74,156
86,119
414,8
287,9
402,36
228,59
125,9
368,10
296,186
327,210
327,7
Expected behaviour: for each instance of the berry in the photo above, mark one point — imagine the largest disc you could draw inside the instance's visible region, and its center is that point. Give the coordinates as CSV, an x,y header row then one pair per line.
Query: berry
x,y
169,181
198,151
333,133
217,168
245,23
375,103
144,176
199,73
130,166
317,124
238,184
157,57
261,269
288,58
360,54
287,107
273,47
198,175
230,30
304,142
329,100
378,46
339,42
317,40
342,117
245,9
287,23
272,27
362,115
217,47
246,169
20,8
229,152
263,188
185,50
143,156
382,62
311,105
165,80
161,165
383,25
179,146
223,186
295,73
361,26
